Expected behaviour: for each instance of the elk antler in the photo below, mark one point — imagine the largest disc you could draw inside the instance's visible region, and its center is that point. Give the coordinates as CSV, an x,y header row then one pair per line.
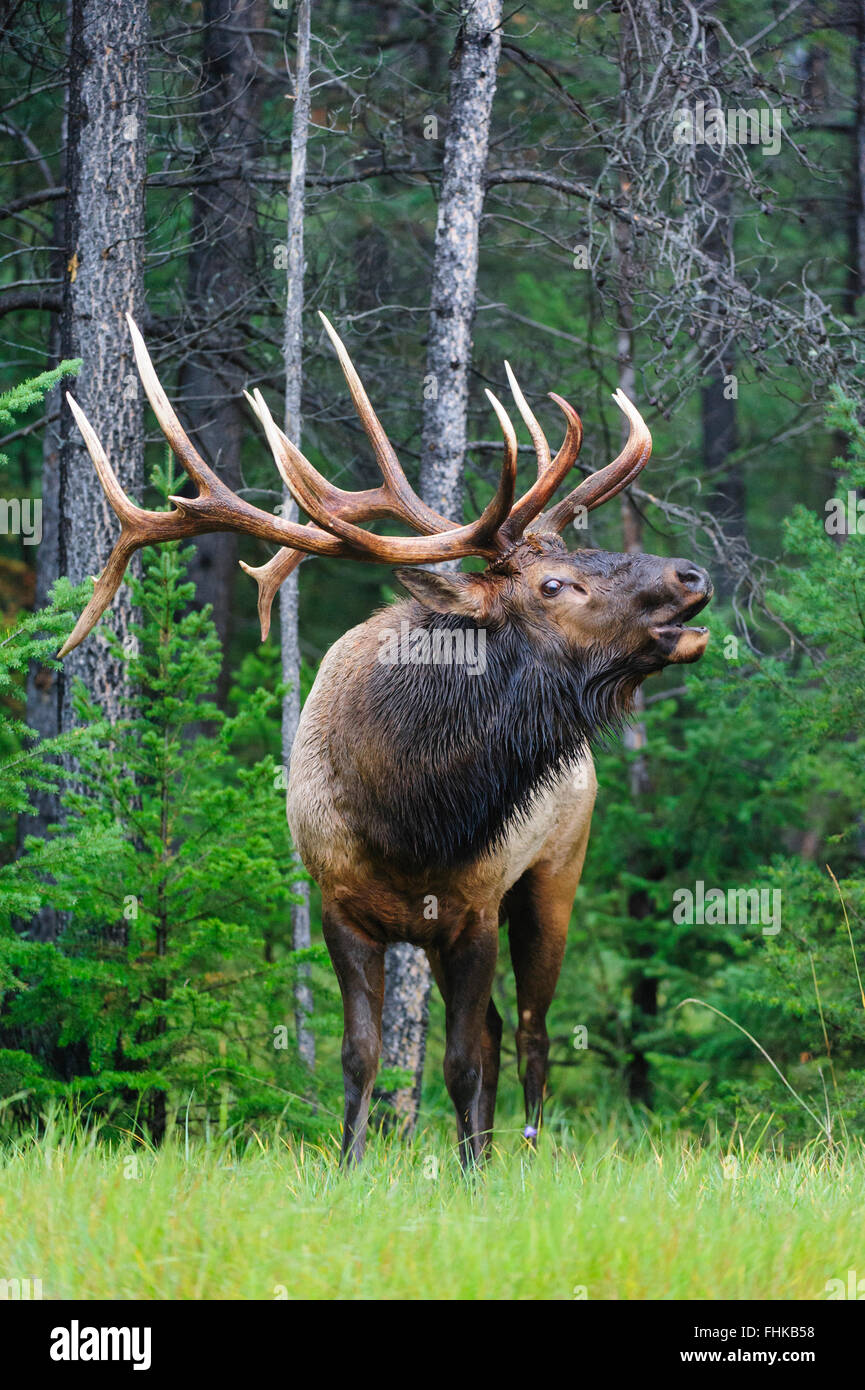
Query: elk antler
x,y
607,482
217,508
297,471
550,472
332,528
338,510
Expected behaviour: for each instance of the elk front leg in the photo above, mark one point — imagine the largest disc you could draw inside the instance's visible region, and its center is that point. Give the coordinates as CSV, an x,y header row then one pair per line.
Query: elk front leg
x,y
491,1048
467,968
539,910
359,965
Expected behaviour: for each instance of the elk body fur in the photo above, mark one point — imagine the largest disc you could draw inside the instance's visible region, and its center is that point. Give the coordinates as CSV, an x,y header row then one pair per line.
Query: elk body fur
x,y
432,799
382,831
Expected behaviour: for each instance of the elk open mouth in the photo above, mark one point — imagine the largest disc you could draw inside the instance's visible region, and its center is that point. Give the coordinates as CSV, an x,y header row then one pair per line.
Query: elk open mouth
x,y
679,643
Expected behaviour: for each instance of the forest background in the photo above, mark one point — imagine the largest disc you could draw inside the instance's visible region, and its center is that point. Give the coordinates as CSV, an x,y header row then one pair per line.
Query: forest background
x,y
668,198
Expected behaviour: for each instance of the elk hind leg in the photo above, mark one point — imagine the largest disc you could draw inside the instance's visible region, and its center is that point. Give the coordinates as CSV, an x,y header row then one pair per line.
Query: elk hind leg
x,y
359,965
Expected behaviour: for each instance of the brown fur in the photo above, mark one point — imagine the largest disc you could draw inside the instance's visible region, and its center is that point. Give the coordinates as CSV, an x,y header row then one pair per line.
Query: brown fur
x,y
614,614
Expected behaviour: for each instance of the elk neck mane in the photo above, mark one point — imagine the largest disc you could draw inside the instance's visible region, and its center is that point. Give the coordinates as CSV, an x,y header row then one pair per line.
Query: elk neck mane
x,y
445,762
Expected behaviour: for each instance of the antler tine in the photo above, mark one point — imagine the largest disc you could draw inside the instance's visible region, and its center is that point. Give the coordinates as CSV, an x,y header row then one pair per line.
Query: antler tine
x,y
216,508
104,589
131,517
181,445
405,500
478,538
539,439
499,509
125,510
608,481
307,486
269,577
533,502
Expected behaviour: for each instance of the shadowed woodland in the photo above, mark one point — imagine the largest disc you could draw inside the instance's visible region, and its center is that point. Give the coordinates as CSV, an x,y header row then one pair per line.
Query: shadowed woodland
x,y
662,198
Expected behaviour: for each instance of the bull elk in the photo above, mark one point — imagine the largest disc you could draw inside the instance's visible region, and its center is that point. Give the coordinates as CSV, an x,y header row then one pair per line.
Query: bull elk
x,y
434,799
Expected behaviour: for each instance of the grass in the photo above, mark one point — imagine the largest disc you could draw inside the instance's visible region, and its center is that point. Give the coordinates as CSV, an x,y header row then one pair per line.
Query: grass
x,y
604,1217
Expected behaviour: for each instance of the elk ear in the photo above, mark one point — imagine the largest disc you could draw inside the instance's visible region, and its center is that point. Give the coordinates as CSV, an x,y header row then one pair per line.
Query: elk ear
x,y
447,593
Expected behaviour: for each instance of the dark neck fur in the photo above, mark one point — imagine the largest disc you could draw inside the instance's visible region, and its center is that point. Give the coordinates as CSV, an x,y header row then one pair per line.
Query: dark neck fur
x,y
463,756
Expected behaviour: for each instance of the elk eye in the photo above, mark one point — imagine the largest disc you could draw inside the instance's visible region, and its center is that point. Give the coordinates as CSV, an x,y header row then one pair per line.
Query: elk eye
x,y
550,587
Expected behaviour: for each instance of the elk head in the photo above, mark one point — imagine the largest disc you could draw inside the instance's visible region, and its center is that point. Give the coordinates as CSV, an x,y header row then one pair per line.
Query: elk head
x,y
633,608
629,610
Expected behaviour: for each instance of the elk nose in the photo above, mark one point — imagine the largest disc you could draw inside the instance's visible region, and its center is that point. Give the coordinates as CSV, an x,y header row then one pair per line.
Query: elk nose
x,y
690,577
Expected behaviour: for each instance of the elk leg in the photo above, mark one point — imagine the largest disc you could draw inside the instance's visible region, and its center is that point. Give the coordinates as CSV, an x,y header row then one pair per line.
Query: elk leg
x,y
539,910
491,1045
359,965
467,968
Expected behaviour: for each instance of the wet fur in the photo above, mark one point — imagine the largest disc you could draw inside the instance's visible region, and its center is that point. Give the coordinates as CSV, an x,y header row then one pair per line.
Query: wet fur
x,y
446,762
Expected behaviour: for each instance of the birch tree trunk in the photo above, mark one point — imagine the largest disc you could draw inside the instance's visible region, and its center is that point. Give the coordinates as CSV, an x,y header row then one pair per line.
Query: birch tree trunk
x,y
455,265
292,351
104,223
452,307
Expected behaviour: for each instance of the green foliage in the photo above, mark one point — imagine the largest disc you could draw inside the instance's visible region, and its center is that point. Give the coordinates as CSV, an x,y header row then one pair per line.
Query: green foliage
x,y
20,398
597,1213
168,994
28,766
755,770
755,750
806,983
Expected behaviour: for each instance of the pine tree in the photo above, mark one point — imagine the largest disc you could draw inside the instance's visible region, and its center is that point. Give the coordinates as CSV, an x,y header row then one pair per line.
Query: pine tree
x,y
169,992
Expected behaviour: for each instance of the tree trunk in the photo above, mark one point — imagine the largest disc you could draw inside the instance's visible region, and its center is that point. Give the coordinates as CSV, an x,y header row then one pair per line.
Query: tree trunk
x,y
644,1002
455,264
106,168
644,987
717,400
452,307
222,282
858,277
44,686
292,352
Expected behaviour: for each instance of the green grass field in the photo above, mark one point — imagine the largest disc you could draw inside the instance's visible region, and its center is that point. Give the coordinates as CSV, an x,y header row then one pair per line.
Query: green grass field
x,y
640,1217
